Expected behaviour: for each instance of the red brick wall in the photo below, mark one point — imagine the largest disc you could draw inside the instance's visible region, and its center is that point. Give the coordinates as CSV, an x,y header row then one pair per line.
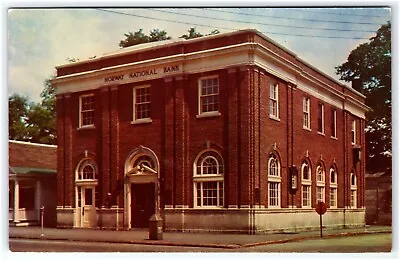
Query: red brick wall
x,y
243,134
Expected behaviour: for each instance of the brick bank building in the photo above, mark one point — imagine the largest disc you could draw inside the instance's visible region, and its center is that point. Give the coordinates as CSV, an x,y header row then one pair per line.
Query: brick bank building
x,y
230,132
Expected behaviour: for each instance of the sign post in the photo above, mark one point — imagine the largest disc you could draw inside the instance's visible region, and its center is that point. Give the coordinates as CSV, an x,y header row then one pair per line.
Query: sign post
x,y
320,208
117,214
41,219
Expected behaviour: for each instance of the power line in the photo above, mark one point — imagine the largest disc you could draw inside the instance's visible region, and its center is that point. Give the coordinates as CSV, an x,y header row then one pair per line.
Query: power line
x,y
352,15
231,29
268,24
289,18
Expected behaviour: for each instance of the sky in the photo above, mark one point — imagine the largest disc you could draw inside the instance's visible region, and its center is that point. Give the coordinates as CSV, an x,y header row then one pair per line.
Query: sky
x,y
41,39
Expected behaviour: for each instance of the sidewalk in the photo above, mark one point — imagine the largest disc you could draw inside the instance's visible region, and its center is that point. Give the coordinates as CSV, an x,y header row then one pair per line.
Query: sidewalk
x,y
183,239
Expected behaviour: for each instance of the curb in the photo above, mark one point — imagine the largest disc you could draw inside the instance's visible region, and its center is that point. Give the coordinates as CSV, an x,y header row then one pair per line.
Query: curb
x,y
134,242
295,239
222,246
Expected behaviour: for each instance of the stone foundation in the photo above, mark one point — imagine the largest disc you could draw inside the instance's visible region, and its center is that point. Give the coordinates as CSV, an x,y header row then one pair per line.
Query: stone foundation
x,y
232,220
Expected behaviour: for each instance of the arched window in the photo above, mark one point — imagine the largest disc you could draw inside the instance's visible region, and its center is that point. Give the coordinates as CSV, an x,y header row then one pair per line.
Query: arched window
x,y
320,174
208,180
353,190
86,171
306,185
274,182
333,187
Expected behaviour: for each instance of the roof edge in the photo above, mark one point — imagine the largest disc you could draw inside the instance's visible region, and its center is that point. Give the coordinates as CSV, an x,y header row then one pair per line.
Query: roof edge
x,y
34,144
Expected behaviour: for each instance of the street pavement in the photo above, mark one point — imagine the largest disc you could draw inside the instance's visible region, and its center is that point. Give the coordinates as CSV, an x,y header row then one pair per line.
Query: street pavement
x,y
187,239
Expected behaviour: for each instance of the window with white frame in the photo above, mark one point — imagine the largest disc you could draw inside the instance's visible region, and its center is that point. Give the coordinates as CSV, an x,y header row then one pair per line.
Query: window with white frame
x,y
208,180
353,132
353,190
86,171
320,175
321,128
306,185
86,110
141,103
274,182
333,123
333,188
273,100
306,113
208,95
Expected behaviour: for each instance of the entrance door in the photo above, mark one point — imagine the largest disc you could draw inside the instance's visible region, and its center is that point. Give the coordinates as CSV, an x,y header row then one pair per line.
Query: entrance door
x,y
143,204
86,208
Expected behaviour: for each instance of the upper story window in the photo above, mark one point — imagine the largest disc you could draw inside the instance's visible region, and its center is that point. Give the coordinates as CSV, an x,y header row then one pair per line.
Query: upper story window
x,y
141,104
333,123
353,132
306,113
321,128
86,110
208,178
273,100
208,95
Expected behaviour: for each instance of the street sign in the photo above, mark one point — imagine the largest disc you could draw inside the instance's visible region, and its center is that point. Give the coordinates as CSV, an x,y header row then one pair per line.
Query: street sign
x,y
320,208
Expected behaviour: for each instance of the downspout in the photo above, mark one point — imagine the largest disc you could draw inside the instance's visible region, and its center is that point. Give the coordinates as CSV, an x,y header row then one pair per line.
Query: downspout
x,y
344,165
292,136
259,139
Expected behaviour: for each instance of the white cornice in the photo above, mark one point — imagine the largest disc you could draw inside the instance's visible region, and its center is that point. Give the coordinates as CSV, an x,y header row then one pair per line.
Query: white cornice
x,y
212,59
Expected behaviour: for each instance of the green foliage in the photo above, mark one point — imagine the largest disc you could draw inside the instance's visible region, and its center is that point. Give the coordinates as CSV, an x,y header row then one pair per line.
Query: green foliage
x,y
193,34
32,122
370,65
17,114
139,37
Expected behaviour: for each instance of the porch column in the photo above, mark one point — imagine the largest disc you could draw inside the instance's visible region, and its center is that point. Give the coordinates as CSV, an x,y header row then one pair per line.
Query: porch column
x,y
38,199
16,200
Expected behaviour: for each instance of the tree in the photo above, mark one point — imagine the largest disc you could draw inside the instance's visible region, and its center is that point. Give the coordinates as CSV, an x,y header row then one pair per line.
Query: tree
x,y
193,34
33,122
41,119
369,66
17,114
139,37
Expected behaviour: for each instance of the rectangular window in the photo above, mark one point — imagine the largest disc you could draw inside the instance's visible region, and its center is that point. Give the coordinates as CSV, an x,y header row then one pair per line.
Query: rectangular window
x,y
353,132
321,128
210,194
306,113
333,123
353,198
86,108
273,101
306,195
333,198
274,191
208,95
141,103
320,194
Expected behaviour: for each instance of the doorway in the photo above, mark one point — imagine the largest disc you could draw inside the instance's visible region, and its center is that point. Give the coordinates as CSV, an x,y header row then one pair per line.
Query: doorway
x,y
86,209
143,204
